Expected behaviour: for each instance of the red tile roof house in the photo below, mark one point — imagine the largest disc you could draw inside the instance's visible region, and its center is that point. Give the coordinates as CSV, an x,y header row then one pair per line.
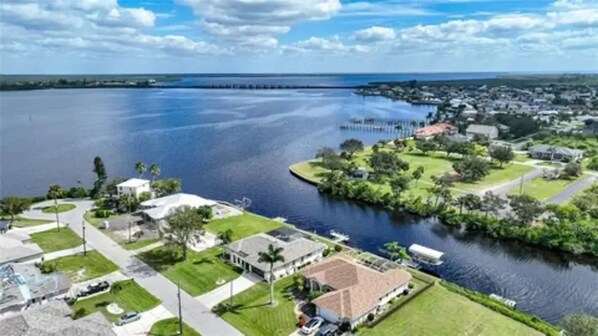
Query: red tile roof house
x,y
435,129
352,291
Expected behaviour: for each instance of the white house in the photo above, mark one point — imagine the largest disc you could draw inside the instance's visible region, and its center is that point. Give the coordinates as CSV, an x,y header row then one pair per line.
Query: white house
x,y
156,210
297,252
490,132
133,186
352,291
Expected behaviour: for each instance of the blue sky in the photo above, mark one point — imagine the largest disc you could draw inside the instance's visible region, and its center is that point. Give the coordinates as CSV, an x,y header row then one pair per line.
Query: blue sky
x,y
143,36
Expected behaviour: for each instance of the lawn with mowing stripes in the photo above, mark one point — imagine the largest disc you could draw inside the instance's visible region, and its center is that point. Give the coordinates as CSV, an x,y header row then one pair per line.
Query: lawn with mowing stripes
x,y
170,327
196,275
437,311
131,297
253,316
56,240
244,225
81,267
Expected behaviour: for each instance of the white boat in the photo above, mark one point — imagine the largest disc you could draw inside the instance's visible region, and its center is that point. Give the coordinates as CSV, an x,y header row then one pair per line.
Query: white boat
x,y
338,237
426,255
503,300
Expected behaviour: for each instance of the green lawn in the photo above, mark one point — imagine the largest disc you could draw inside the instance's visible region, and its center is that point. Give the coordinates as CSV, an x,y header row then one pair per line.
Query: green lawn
x,y
254,317
497,176
541,188
131,297
61,208
22,222
310,170
56,240
244,225
80,268
198,274
170,327
93,220
438,311
139,244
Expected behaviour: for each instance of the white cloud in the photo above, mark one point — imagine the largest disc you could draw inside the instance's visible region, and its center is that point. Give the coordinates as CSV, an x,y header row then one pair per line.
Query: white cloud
x,y
93,26
375,34
257,22
324,45
380,9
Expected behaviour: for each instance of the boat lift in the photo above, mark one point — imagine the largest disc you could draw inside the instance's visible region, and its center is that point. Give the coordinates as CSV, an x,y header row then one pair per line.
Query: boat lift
x,y
426,255
339,237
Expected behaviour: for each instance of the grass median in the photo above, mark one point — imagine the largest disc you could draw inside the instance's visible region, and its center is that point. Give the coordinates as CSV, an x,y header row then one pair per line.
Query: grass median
x,y
64,207
170,327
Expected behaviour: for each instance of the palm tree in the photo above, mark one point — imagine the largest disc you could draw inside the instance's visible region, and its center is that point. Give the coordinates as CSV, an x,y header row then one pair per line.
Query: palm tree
x,y
396,251
140,167
55,192
155,171
271,256
116,288
226,236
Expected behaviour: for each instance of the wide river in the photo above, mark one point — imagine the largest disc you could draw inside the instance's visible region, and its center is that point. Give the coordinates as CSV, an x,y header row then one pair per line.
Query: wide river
x,y
228,144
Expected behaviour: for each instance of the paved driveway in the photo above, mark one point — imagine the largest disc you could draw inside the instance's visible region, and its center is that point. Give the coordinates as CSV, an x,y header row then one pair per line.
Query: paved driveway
x,y
245,281
143,326
571,190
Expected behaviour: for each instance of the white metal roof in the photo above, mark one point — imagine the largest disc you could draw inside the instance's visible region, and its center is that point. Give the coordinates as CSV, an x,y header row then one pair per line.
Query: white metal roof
x,y
160,207
133,183
425,251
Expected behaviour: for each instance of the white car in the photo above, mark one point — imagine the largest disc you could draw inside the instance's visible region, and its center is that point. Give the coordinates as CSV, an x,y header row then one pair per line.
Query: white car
x,y
127,318
312,325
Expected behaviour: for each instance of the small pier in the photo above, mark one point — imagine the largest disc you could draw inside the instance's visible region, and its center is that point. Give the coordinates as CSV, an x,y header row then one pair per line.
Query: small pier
x,y
339,237
505,301
280,219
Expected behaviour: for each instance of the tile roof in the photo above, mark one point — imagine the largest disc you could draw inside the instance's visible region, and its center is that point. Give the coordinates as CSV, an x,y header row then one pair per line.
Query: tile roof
x,y
357,289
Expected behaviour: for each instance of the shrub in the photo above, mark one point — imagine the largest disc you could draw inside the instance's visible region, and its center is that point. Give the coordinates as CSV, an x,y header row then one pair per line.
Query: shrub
x,y
411,286
78,192
338,248
101,213
37,199
406,292
145,196
314,295
326,252
79,313
371,317
46,267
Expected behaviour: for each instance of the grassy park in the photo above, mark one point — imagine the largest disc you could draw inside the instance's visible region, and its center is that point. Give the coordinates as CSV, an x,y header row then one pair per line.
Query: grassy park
x,y
130,297
170,327
433,313
253,316
243,226
64,207
196,275
56,240
80,267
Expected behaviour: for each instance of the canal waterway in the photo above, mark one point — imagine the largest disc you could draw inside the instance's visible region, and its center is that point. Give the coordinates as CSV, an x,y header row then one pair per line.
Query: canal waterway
x,y
227,144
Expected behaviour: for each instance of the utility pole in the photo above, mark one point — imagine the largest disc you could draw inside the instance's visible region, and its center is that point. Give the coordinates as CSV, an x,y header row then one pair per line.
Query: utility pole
x,y
84,240
180,309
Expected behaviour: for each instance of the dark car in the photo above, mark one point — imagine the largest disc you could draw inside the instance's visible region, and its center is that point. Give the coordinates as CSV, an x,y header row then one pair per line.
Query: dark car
x,y
93,288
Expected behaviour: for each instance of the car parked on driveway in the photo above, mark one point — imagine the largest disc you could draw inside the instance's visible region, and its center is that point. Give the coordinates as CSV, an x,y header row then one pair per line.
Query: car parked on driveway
x,y
93,288
128,317
312,325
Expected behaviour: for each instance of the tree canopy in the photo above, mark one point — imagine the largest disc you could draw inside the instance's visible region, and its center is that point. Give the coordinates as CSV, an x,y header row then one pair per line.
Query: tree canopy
x,y
167,186
472,168
580,325
352,146
11,206
502,154
183,223
387,164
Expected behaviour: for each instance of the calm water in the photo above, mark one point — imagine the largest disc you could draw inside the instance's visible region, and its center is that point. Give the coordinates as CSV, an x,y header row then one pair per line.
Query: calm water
x,y
229,144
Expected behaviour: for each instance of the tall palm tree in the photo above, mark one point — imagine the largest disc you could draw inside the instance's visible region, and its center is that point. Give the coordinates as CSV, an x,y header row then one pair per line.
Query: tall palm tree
x,y
55,192
140,167
271,256
155,171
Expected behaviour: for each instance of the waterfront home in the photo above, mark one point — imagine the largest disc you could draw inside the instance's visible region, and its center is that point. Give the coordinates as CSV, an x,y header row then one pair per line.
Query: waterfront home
x,y
133,186
435,129
54,319
156,210
17,247
552,153
490,132
352,291
297,251
22,285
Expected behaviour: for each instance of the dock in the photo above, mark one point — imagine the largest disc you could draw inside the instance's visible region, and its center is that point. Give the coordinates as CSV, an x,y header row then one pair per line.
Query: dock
x,y
339,237
505,301
280,219
403,127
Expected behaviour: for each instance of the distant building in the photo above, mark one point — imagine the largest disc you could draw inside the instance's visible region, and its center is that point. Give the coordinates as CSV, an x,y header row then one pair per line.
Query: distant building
x,y
54,319
554,153
435,129
490,132
23,285
133,187
17,247
352,291
297,252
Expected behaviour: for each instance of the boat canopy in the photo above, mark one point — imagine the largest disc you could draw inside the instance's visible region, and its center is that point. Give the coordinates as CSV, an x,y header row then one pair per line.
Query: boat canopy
x,y
425,252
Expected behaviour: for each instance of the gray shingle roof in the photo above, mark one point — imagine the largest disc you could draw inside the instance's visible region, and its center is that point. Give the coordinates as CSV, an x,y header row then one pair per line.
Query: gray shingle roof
x,y
293,250
53,319
481,129
554,149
